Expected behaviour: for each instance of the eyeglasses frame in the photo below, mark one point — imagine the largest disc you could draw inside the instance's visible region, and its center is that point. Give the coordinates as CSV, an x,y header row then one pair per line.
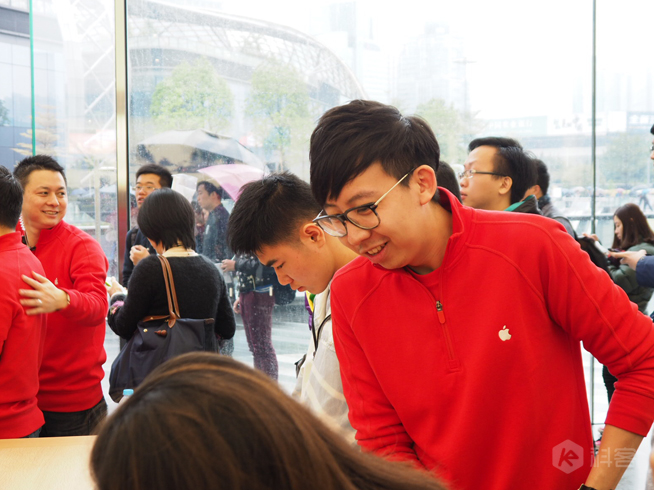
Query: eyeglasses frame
x,y
342,217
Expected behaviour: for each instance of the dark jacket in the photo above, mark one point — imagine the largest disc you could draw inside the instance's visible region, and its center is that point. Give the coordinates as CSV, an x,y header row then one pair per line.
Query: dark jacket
x,y
134,237
252,274
528,205
645,271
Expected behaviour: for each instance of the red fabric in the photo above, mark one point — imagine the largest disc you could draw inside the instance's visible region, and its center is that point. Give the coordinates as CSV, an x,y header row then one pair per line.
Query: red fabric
x,y
449,394
73,355
21,343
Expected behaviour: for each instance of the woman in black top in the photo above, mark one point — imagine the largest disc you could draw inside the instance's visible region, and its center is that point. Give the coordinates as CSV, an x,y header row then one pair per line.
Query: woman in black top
x,y
167,219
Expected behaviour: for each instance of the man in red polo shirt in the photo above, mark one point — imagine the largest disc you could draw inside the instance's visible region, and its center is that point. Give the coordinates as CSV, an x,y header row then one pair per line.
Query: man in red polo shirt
x,y
74,296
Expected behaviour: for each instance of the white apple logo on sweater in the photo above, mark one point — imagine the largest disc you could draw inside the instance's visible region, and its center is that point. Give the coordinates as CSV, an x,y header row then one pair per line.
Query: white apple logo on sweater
x,y
504,334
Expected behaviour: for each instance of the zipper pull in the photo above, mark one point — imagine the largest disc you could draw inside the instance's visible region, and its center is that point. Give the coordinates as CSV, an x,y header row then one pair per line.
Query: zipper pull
x,y
439,308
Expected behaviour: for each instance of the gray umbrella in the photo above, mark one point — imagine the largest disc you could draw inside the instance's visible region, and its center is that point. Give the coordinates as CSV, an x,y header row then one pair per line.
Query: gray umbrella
x,y
179,147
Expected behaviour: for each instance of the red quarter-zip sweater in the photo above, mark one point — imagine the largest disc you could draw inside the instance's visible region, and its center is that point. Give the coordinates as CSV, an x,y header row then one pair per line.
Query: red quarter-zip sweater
x,y
73,355
21,343
475,369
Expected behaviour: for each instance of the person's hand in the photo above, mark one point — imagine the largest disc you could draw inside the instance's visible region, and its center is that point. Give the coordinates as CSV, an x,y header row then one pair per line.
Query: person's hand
x,y
228,265
237,306
629,258
44,297
593,236
115,287
138,253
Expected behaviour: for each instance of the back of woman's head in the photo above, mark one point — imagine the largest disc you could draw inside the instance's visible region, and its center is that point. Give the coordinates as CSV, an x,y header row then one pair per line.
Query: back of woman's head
x,y
635,228
204,421
167,217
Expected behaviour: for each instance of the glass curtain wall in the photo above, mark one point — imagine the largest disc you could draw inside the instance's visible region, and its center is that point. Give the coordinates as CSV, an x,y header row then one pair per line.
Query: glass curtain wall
x,y
247,80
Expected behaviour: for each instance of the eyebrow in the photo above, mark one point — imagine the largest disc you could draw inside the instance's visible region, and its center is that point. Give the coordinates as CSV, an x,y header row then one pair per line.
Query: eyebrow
x,y
270,263
351,200
45,187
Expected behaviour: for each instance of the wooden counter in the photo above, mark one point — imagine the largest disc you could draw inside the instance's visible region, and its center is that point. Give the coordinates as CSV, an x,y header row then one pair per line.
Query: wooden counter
x,y
51,463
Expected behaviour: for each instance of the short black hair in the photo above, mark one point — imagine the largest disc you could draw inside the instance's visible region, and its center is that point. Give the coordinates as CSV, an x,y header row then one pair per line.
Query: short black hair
x,y
37,162
165,177
513,161
543,177
269,211
351,137
167,217
496,141
445,177
210,188
652,129
11,199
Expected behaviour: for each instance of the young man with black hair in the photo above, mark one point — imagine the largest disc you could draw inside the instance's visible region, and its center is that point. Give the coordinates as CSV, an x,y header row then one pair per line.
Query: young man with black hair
x,y
459,325
214,239
21,335
73,295
497,174
149,178
273,219
539,191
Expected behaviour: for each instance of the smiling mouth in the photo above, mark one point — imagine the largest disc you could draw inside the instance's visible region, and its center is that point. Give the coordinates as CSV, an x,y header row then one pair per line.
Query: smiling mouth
x,y
51,213
376,250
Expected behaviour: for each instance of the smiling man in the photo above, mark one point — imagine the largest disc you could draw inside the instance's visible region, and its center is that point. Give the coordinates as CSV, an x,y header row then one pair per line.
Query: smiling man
x,y
273,218
460,325
73,295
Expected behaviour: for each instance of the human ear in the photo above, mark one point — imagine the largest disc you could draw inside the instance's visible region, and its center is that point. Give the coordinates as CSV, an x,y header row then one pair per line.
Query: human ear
x,y
505,186
425,177
311,234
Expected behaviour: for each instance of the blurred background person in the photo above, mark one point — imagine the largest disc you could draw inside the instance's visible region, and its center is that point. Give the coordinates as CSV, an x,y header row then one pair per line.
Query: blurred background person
x,y
214,239
255,304
149,178
200,408
631,233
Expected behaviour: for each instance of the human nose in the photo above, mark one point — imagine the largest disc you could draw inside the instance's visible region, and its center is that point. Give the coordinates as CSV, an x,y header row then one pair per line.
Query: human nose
x,y
282,278
52,200
463,181
355,235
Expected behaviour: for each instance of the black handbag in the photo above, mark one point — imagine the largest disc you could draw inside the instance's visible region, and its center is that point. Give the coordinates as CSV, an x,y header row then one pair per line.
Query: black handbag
x,y
157,339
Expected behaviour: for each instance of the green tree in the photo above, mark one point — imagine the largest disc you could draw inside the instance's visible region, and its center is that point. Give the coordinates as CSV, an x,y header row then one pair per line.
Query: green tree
x,y
625,161
194,96
452,128
279,105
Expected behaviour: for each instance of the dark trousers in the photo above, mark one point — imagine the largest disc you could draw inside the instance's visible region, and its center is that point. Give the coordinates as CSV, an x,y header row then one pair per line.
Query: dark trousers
x,y
256,310
82,423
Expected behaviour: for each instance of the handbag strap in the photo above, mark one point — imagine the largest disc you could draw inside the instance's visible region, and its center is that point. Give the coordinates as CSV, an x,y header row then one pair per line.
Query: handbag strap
x,y
173,307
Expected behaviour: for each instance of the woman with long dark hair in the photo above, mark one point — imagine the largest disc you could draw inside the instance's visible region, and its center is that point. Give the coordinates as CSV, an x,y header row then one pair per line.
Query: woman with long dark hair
x,y
631,233
203,421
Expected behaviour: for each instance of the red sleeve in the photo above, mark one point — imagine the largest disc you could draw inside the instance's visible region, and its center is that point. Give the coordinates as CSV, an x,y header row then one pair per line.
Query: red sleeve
x,y
88,296
586,303
378,426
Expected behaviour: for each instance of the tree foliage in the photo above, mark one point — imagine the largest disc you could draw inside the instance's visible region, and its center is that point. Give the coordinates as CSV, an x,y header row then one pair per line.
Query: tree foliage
x,y
46,136
625,161
194,96
453,128
279,105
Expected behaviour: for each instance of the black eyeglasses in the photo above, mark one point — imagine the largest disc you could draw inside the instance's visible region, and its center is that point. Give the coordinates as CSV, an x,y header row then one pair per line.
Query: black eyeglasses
x,y
364,217
469,174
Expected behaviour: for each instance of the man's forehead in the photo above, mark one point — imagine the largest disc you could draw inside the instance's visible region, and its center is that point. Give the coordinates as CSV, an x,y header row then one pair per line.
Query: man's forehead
x,y
148,179
49,179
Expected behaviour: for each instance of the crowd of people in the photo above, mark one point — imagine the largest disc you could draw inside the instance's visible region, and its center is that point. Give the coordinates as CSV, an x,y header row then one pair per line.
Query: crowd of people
x,y
443,314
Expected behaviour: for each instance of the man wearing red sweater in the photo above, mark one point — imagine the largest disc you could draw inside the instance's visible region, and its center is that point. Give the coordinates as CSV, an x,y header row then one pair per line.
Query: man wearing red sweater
x,y
21,336
73,295
458,330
